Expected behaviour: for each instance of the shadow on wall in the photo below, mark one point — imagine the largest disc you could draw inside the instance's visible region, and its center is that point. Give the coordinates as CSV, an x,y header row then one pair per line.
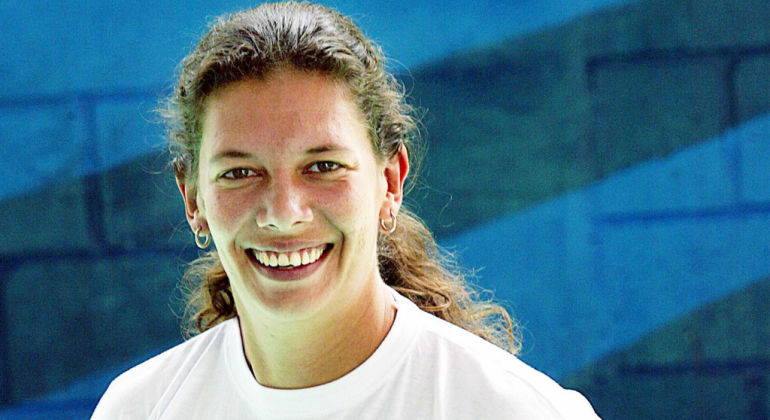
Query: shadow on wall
x,y
532,118
90,280
711,363
597,269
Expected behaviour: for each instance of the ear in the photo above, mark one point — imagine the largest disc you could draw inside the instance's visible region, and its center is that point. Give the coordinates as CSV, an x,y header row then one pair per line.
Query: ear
x,y
192,209
396,170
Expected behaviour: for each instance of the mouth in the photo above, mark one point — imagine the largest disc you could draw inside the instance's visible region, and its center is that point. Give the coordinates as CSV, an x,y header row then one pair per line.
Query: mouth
x,y
289,260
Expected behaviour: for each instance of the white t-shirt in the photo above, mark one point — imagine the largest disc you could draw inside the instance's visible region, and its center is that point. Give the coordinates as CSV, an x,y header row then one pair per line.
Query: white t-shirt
x,y
426,368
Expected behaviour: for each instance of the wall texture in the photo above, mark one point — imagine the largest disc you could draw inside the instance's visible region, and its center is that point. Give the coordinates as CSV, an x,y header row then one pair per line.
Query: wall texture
x,y
603,278
713,363
541,115
90,277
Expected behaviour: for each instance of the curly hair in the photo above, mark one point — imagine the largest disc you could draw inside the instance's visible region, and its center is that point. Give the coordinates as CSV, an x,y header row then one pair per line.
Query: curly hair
x,y
272,37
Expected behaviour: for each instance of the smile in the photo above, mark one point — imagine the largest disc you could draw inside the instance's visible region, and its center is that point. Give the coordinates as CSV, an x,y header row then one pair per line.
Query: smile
x,y
298,258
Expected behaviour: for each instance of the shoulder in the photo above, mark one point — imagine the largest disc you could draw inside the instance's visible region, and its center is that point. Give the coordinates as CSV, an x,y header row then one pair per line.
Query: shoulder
x,y
135,393
500,380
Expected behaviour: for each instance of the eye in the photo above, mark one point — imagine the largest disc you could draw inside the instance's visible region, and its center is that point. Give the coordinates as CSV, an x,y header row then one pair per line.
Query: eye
x,y
324,166
238,173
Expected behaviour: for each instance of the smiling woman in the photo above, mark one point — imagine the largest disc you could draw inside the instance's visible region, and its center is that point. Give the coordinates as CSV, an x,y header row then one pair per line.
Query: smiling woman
x,y
325,298
285,128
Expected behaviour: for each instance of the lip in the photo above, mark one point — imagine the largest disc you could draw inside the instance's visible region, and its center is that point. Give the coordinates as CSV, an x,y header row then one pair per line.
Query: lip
x,y
286,246
288,274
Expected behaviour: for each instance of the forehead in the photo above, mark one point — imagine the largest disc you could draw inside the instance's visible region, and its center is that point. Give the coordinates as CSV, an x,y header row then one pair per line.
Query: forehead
x,y
289,107
284,89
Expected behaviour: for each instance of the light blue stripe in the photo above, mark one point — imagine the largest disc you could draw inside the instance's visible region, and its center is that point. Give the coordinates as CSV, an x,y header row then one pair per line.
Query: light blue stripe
x,y
593,271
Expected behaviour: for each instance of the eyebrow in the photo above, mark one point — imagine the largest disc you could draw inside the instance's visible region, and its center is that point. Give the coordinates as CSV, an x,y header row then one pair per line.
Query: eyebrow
x,y
237,154
326,148
230,154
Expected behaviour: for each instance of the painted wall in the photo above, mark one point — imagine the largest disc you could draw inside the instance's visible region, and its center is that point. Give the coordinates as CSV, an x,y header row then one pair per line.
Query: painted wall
x,y
82,78
595,270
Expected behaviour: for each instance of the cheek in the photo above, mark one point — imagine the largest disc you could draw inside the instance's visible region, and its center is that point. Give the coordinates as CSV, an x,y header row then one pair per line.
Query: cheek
x,y
354,210
225,210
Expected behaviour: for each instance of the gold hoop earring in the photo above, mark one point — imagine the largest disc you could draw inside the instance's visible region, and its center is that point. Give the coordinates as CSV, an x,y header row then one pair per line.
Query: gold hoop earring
x,y
206,239
392,227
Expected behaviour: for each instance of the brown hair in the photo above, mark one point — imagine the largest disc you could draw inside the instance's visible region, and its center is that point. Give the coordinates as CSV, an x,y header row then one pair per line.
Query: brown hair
x,y
256,43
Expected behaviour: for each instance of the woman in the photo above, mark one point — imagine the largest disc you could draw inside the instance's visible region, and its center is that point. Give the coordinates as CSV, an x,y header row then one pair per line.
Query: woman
x,y
291,148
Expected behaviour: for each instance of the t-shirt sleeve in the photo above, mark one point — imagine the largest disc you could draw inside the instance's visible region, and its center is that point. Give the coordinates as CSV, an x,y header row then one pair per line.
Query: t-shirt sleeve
x,y
121,402
570,404
574,406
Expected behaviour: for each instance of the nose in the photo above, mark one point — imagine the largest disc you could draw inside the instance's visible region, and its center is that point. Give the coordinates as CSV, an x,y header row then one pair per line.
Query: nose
x,y
284,206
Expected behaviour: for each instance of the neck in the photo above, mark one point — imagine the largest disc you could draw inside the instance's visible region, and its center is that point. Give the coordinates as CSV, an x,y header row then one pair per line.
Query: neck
x,y
321,349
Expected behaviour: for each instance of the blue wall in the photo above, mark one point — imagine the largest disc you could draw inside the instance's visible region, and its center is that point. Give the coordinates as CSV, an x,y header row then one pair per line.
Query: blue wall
x,y
71,69
595,270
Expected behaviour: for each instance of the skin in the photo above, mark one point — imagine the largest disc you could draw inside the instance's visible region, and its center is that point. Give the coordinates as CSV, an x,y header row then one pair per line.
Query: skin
x,y
286,164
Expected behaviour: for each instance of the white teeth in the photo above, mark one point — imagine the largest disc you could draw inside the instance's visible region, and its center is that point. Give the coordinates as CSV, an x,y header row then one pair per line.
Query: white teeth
x,y
291,259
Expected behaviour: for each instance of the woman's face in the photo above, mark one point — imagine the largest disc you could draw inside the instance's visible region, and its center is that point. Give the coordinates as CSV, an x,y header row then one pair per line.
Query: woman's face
x,y
291,191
